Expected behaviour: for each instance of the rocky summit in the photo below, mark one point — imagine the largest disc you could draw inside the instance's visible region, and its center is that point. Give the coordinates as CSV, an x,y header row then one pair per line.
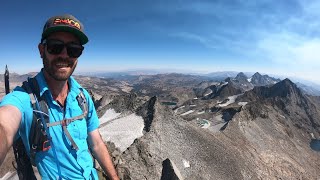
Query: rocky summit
x,y
173,126
261,141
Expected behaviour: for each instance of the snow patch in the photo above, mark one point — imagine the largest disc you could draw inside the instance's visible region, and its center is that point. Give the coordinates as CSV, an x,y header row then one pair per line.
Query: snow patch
x,y
231,100
188,112
193,105
195,98
201,112
186,163
242,103
250,79
109,115
208,93
176,110
225,83
123,131
312,136
218,117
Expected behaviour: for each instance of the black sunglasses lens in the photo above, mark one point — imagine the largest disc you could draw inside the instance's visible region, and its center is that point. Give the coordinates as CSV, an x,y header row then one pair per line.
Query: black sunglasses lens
x,y
55,47
74,50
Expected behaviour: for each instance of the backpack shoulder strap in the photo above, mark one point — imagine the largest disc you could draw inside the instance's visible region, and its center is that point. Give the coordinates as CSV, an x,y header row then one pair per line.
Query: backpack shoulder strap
x,y
26,87
37,137
82,102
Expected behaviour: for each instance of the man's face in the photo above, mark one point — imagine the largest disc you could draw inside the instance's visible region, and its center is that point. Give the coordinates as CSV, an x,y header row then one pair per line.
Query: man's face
x,y
59,66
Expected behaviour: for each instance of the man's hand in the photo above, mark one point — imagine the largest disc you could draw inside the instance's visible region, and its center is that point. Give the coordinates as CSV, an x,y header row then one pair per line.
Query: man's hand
x,y
101,154
10,118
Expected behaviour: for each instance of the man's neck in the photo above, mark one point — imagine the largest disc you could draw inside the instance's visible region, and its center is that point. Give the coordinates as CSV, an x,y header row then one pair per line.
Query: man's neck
x,y
59,89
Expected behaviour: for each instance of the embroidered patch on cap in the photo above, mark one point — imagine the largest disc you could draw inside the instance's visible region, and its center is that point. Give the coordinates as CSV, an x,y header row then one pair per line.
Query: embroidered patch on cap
x,y
67,21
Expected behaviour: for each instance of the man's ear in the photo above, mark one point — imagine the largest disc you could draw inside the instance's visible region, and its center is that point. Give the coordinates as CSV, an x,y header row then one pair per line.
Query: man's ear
x,y
41,49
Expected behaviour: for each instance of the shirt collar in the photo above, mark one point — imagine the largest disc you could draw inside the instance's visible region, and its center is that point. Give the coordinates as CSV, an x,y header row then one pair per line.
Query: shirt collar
x,y
43,86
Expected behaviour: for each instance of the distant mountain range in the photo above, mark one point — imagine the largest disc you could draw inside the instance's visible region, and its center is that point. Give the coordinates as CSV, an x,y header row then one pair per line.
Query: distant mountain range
x,y
248,80
259,79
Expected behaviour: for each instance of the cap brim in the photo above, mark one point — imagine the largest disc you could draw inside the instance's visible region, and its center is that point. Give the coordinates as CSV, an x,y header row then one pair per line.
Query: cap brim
x,y
82,37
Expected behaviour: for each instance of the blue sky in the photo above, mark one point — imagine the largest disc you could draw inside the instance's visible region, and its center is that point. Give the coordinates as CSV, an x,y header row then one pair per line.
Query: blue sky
x,y
274,37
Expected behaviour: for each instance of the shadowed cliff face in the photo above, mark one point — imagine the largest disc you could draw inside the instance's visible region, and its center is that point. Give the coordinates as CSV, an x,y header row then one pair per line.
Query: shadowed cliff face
x,y
286,99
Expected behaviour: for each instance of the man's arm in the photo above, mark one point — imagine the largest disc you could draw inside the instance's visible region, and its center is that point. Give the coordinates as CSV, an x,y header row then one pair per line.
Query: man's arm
x,y
101,153
10,118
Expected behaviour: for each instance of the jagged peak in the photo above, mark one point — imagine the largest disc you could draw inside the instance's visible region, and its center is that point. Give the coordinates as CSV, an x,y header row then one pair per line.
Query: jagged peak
x,y
287,81
286,87
283,88
241,74
241,77
286,84
256,74
262,80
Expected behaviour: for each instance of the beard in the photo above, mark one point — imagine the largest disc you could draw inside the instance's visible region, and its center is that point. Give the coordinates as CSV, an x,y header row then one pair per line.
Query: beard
x,y
51,67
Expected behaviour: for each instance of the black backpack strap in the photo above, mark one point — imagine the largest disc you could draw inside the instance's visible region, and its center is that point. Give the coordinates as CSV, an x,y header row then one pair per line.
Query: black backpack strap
x,y
23,164
38,139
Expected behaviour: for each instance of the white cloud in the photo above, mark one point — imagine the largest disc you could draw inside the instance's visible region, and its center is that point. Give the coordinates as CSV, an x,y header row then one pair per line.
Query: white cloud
x,y
308,52
291,49
292,54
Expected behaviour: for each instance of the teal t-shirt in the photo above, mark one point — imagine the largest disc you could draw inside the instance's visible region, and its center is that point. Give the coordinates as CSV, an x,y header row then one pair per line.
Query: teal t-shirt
x,y
74,164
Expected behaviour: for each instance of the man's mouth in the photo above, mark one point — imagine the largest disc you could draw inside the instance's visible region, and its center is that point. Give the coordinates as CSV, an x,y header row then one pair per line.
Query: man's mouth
x,y
62,65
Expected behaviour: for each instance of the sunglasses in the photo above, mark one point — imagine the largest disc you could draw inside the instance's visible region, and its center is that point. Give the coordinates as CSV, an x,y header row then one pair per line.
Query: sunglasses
x,y
55,47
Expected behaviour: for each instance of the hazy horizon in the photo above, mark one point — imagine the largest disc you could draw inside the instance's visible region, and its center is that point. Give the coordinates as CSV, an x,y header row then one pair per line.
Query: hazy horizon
x,y
270,37
168,71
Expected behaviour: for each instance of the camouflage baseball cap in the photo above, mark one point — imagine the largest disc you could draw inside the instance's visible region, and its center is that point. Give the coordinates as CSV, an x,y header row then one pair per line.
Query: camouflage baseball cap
x,y
65,23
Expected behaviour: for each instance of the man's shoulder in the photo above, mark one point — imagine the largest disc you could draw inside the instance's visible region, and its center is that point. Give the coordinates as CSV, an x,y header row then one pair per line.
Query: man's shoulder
x,y
18,97
74,83
77,87
18,92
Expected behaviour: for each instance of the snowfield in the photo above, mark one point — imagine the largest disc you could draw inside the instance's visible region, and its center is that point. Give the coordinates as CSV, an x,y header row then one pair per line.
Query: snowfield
x,y
232,99
122,131
110,114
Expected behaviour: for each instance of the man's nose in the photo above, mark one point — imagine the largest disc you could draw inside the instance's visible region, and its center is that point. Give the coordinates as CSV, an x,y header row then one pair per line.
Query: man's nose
x,y
64,52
